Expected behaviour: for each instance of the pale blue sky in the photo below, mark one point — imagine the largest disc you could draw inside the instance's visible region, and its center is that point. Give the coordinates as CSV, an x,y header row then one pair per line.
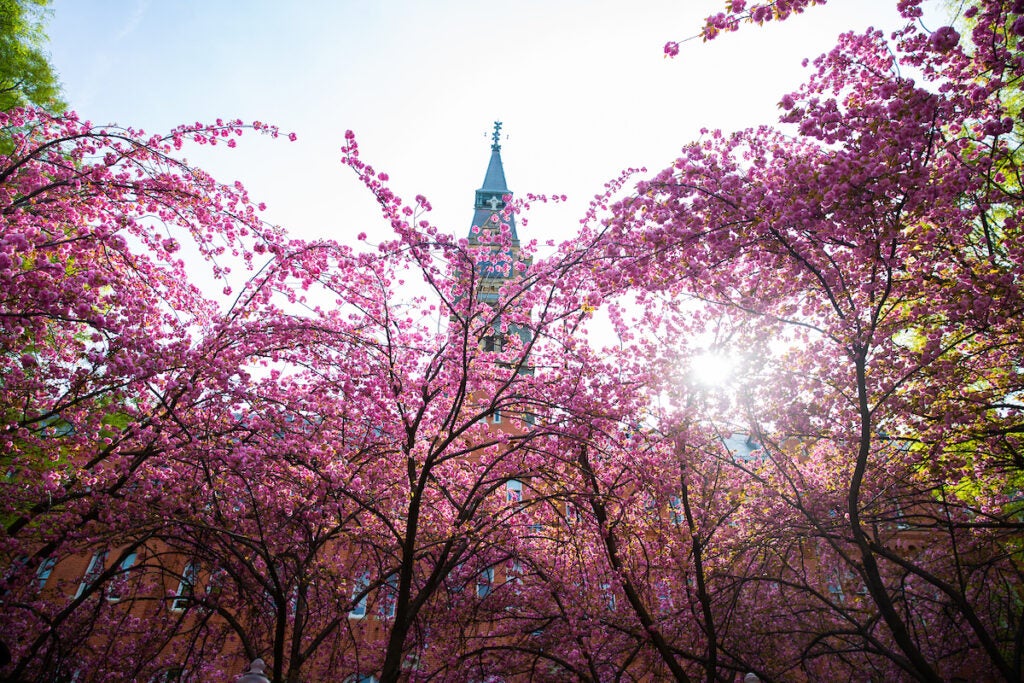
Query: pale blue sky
x,y
581,85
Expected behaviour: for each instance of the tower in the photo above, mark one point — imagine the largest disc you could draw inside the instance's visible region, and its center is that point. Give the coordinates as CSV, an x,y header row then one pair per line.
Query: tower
x,y
490,216
490,219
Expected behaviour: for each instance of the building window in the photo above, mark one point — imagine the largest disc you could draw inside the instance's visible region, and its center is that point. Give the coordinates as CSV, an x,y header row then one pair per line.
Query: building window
x,y
455,580
609,595
388,597
44,571
359,596
496,416
901,518
650,506
186,587
675,510
513,491
119,582
663,593
513,571
92,572
836,590
572,514
484,582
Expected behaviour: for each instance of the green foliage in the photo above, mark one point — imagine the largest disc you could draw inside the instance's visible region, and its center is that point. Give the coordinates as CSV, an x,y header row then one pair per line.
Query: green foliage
x,y
26,76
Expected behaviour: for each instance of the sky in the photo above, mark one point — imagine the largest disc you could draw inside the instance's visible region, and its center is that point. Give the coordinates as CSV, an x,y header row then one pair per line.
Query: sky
x,y
581,86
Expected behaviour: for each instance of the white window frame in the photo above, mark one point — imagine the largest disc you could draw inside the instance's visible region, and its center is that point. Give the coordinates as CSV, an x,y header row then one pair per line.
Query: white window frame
x,y
609,595
44,570
485,582
387,597
513,571
572,514
92,572
513,491
675,510
360,585
453,579
186,587
120,581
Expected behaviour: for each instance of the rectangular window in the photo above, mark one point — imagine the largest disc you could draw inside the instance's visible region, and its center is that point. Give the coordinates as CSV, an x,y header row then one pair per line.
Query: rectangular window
x,y
455,580
93,571
388,597
358,610
484,581
120,582
572,514
675,508
44,571
666,603
513,491
496,416
901,519
186,587
609,595
651,506
513,571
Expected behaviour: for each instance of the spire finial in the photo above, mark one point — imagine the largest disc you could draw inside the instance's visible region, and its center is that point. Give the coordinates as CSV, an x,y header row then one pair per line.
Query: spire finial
x,y
496,137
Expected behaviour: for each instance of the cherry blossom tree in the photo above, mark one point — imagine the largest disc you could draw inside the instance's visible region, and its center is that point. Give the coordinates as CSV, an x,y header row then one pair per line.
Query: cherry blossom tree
x,y
873,239
100,361
454,458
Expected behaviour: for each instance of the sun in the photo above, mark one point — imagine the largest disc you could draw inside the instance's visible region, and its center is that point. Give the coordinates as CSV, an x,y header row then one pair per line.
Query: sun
x,y
712,368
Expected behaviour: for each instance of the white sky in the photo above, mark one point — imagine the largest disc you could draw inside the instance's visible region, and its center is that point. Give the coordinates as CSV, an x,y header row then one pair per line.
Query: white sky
x,y
581,86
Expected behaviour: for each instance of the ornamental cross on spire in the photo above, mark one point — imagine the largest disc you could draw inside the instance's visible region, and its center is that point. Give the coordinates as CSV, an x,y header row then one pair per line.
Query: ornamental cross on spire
x,y
494,202
496,137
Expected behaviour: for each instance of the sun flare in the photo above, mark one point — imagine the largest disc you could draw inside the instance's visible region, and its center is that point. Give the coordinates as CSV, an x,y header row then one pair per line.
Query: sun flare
x,y
712,369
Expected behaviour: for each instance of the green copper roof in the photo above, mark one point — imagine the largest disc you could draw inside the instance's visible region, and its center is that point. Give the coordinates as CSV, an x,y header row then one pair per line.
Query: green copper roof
x,y
490,197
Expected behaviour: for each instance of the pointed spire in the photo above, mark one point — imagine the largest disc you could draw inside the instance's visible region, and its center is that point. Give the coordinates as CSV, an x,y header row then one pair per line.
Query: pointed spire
x,y
490,198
